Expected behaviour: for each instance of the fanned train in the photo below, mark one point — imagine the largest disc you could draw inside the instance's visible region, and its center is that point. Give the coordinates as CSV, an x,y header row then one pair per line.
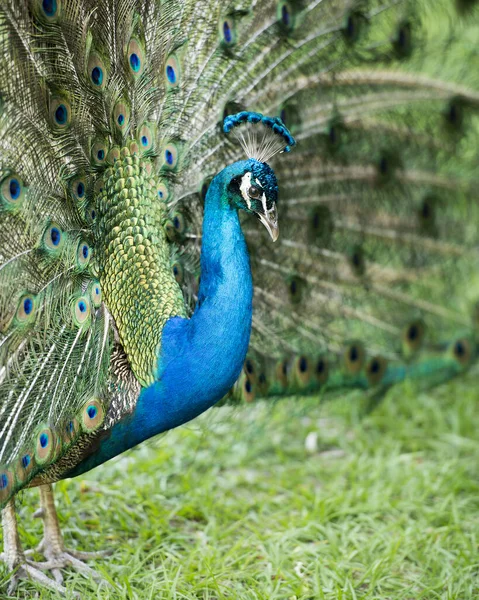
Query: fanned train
x,y
132,132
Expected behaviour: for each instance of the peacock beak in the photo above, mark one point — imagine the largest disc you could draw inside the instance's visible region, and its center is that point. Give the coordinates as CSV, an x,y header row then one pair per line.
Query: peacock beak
x,y
270,220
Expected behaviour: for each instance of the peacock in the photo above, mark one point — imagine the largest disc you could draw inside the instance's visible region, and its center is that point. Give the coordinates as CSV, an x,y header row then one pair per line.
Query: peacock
x,y
138,138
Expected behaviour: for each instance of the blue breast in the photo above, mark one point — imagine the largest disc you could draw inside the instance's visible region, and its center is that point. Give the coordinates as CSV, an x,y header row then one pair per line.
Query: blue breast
x,y
201,357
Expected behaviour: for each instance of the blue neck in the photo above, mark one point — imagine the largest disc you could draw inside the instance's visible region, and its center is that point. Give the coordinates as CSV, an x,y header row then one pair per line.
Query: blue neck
x,y
201,357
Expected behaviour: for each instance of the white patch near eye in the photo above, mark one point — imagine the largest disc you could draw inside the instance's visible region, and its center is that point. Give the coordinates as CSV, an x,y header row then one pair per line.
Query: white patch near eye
x,y
263,202
244,187
263,197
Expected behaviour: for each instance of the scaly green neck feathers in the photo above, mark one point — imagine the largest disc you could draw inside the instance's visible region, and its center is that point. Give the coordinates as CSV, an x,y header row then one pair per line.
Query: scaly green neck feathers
x,y
134,257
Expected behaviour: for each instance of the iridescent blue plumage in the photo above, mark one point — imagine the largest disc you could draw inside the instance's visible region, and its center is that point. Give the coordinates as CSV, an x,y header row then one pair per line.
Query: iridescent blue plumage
x,y
118,167
200,357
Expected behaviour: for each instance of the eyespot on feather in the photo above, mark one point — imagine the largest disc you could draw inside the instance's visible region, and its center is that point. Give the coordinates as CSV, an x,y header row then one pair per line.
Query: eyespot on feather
x,y
97,71
48,10
25,466
321,370
146,137
413,337
121,115
92,415
178,272
388,164
90,214
53,239
99,151
7,483
295,286
354,24
170,157
462,351
250,368
357,261
403,40
81,310
301,370
175,227
78,188
376,369
83,254
172,71
227,30
12,191
244,389
353,358
136,57
45,445
94,289
454,113
179,223
285,15
26,309
60,113
163,193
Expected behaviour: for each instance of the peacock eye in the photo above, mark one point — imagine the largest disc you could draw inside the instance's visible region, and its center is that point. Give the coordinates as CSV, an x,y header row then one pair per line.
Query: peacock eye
x,y
254,192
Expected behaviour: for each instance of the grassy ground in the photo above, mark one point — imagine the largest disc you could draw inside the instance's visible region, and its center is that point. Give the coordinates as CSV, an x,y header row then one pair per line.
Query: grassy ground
x,y
239,505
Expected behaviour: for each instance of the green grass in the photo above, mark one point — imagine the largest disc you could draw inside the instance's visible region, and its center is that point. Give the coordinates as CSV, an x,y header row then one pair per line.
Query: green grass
x,y
234,505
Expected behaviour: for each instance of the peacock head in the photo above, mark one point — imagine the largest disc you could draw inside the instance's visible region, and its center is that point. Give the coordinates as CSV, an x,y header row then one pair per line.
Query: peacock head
x,y
253,186
254,189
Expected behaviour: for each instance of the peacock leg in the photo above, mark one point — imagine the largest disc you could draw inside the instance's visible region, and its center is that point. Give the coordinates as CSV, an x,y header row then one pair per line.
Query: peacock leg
x,y
52,545
14,557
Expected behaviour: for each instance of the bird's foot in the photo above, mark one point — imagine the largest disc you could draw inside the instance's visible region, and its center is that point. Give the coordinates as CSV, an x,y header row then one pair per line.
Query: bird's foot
x,y
40,549
59,559
52,546
16,560
24,569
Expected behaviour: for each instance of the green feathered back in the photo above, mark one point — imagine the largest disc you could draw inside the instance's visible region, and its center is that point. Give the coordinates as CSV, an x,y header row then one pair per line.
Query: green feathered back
x,y
110,132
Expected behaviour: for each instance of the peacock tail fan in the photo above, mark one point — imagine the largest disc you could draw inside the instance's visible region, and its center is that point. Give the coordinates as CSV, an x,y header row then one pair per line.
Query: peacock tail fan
x,y
375,274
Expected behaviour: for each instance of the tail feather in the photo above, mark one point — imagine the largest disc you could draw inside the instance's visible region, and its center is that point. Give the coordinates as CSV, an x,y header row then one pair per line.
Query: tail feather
x,y
375,275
